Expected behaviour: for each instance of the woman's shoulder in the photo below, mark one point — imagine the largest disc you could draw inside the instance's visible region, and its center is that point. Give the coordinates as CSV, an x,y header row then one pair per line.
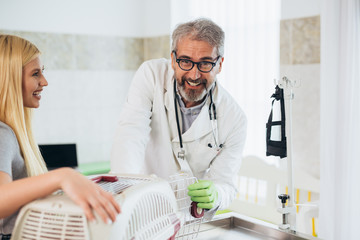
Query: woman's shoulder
x,y
6,133
10,155
4,128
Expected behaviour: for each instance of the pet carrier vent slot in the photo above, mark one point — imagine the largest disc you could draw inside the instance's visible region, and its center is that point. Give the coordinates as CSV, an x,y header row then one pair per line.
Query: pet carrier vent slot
x,y
54,226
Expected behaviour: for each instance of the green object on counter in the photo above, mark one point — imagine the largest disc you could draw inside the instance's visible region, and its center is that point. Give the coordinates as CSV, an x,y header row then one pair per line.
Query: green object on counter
x,y
94,168
222,211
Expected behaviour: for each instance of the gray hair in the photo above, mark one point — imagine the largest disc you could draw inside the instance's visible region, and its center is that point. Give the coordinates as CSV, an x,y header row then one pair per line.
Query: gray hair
x,y
201,29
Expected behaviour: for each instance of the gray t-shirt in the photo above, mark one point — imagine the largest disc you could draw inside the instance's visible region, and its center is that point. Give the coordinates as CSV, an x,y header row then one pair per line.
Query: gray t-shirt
x,y
12,163
188,115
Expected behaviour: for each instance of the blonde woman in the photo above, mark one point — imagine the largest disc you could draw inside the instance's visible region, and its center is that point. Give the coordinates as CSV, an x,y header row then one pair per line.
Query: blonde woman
x,y
23,174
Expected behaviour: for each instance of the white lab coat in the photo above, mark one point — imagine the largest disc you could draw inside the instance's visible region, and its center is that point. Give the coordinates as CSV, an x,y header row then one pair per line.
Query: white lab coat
x,y
147,140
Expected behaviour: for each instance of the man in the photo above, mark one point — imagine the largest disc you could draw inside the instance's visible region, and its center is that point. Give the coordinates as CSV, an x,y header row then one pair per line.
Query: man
x,y
177,118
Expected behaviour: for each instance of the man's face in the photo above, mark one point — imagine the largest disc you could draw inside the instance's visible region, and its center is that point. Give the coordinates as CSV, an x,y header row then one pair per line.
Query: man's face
x,y
193,84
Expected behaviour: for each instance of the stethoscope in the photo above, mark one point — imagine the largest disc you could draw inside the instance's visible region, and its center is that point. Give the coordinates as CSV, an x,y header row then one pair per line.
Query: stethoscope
x,y
213,120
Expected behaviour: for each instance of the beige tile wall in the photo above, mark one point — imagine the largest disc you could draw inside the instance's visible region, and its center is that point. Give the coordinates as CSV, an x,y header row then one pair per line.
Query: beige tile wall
x,y
158,47
300,41
90,52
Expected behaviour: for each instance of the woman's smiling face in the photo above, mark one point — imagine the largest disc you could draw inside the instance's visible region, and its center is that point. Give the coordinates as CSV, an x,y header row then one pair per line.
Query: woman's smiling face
x,y
33,82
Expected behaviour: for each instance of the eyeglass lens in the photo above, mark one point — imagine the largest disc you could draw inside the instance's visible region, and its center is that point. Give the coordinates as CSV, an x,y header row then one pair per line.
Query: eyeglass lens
x,y
202,66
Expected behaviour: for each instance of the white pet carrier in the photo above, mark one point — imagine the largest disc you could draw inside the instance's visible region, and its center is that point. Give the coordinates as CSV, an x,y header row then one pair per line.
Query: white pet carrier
x,y
191,214
148,211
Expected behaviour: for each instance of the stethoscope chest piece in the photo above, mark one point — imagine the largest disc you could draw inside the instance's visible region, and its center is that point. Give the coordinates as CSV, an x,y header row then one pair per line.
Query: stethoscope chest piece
x,y
181,154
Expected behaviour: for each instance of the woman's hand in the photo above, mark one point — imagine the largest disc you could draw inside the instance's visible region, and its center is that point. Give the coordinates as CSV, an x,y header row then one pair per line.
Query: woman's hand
x,y
88,195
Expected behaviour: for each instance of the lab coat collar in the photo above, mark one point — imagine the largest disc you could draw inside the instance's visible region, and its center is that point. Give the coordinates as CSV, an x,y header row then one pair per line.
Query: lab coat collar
x,y
168,91
169,97
170,108
201,126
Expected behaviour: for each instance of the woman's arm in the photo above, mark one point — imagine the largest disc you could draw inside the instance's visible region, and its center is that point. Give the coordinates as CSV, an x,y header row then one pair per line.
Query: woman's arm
x,y
87,194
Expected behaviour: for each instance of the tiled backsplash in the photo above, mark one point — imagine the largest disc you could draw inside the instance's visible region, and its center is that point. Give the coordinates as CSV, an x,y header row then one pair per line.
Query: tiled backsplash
x,y
300,40
91,52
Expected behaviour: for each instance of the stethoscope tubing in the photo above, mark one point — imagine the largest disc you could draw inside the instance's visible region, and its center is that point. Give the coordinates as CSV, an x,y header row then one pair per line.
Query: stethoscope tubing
x,y
212,117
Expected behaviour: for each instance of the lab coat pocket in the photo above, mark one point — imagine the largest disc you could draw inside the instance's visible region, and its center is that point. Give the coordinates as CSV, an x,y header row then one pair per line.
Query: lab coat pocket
x,y
200,156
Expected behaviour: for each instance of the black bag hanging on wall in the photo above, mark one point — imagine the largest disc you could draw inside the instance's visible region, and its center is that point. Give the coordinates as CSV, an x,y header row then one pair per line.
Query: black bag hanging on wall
x,y
276,147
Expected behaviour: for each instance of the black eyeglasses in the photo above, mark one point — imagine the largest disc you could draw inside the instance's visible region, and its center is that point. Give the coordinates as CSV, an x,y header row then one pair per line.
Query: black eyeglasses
x,y
187,65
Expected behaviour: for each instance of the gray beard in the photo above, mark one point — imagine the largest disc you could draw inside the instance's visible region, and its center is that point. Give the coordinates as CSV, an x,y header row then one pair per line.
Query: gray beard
x,y
191,95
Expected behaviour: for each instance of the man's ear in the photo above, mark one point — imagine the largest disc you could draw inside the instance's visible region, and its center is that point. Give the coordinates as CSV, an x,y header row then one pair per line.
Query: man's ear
x,y
220,63
172,60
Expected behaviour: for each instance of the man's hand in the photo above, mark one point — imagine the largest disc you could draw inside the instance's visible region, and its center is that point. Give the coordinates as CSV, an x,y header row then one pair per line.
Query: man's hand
x,y
204,193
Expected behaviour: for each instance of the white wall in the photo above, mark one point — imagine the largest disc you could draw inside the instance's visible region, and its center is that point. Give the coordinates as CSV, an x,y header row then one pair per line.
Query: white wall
x,y
289,9
130,18
157,17
82,106
299,8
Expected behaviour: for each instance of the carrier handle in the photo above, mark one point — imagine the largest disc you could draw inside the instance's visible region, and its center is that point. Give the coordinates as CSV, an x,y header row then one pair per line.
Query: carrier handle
x,y
105,179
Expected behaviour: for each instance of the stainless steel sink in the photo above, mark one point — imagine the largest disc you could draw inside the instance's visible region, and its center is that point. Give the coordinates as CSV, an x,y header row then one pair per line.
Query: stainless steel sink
x,y
236,226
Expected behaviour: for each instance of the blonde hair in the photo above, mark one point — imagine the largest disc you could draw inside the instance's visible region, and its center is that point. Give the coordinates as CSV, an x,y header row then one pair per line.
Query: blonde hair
x,y
15,53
